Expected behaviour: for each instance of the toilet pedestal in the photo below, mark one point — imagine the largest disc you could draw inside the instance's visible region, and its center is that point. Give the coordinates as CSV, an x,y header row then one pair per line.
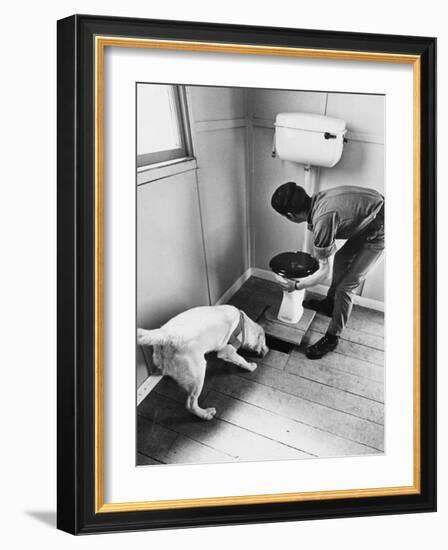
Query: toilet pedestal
x,y
291,308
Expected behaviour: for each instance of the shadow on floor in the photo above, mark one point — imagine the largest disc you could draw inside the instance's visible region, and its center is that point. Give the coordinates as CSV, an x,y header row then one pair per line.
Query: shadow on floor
x,y
48,517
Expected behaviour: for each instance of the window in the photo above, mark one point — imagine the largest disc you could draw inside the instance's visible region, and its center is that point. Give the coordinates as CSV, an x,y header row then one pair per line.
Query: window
x,y
162,124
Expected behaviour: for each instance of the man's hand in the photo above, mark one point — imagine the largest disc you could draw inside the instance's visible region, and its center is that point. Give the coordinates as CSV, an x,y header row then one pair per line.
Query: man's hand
x,y
318,277
321,276
288,285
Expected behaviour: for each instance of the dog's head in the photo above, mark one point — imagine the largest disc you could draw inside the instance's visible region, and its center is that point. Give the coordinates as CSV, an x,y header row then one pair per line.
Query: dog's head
x,y
254,337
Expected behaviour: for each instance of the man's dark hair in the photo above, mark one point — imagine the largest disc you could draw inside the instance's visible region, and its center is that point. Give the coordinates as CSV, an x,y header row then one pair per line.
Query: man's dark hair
x,y
290,197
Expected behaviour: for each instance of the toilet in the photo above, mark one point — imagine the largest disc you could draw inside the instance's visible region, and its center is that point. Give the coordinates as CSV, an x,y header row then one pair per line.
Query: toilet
x,y
292,265
313,141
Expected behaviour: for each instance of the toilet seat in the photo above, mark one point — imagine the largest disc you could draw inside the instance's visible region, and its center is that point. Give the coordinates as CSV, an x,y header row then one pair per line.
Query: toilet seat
x,y
294,265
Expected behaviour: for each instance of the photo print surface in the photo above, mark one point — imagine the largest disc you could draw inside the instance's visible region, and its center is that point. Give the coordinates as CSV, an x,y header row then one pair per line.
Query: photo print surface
x,y
260,274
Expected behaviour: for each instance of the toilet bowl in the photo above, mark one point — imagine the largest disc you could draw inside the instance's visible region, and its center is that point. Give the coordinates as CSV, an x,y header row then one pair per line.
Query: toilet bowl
x,y
296,266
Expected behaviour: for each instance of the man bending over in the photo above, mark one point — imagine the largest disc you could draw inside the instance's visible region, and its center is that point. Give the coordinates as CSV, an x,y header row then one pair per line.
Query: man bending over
x,y
346,212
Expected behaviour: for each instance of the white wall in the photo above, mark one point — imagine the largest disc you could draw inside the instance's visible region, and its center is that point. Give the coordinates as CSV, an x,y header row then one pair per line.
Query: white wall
x,y
171,270
362,164
29,409
219,133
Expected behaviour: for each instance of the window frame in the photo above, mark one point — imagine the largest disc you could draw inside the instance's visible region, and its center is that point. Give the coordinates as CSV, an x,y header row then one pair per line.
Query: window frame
x,y
185,152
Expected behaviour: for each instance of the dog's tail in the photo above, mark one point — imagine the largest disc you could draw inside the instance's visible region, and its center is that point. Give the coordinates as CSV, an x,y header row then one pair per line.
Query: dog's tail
x,y
156,337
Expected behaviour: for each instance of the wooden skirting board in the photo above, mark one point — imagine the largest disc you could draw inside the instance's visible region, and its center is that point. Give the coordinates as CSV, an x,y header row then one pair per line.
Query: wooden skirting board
x,y
147,386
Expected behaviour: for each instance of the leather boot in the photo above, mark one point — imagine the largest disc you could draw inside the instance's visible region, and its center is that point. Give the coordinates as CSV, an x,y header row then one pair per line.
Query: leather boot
x,y
327,343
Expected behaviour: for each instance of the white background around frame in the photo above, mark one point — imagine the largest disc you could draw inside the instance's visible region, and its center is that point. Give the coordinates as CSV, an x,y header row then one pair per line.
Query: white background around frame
x,y
28,275
123,481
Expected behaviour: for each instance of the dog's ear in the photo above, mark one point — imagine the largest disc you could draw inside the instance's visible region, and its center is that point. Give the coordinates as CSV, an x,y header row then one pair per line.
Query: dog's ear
x,y
250,327
250,322
247,320
244,315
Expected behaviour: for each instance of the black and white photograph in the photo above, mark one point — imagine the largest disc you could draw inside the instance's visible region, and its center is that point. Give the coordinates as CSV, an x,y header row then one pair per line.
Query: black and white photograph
x,y
260,299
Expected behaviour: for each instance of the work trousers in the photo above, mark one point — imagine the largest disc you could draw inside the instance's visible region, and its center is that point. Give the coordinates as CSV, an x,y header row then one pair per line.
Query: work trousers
x,y
352,263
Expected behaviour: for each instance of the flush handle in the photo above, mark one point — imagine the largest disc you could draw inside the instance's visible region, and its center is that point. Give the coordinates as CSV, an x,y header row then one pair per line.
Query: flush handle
x,y
327,135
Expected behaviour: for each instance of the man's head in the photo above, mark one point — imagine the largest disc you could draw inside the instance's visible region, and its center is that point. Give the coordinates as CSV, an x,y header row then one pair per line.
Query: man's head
x,y
292,201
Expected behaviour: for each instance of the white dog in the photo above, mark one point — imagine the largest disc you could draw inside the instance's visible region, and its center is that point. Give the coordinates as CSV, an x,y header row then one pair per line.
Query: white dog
x,y
181,343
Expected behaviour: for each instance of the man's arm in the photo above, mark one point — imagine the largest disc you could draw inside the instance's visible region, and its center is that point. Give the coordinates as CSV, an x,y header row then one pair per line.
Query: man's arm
x,y
321,276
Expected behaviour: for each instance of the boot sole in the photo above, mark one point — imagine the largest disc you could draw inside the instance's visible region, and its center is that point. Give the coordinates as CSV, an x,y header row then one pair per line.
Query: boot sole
x,y
313,357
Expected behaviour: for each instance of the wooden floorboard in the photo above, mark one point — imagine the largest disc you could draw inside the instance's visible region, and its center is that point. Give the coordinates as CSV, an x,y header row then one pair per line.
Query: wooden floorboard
x,y
169,388
364,320
165,446
257,284
368,315
284,430
297,408
252,304
344,363
216,434
313,370
344,398
276,359
154,440
333,397
188,451
143,460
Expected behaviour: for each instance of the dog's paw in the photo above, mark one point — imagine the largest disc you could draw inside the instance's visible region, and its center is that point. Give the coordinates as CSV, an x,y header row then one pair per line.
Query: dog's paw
x,y
252,366
209,413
